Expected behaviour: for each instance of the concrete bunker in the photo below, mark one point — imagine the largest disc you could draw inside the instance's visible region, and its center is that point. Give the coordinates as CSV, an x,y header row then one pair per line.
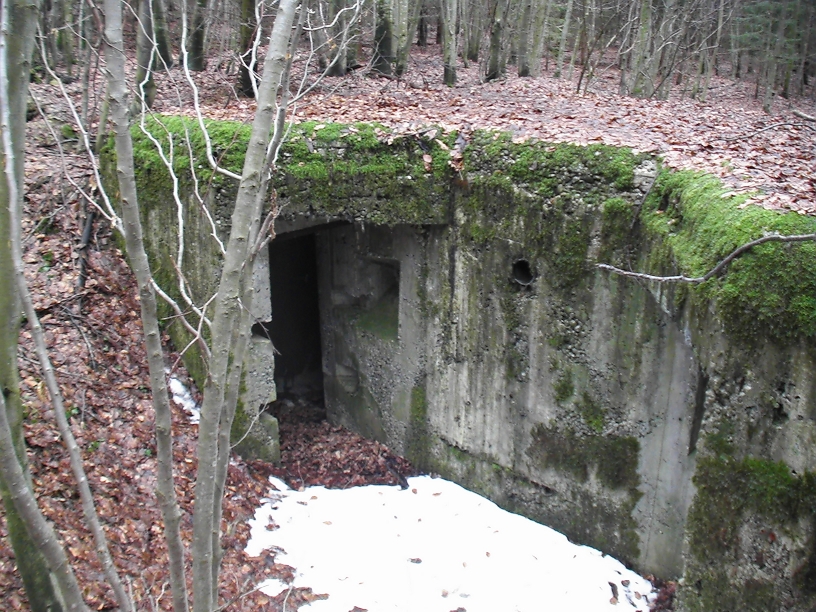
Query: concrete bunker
x,y
653,422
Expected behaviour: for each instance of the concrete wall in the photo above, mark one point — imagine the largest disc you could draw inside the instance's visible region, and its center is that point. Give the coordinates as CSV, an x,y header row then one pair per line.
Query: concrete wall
x,y
673,428
490,401
584,408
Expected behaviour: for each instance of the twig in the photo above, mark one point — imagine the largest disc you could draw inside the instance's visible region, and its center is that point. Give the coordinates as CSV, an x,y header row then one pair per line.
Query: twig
x,y
84,249
716,269
804,116
288,593
81,331
770,127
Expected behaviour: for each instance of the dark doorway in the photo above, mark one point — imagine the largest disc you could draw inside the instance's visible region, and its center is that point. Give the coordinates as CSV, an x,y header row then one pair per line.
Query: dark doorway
x,y
295,326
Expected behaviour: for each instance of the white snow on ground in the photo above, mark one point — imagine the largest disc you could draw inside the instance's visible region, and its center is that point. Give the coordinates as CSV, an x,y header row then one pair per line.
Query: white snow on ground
x,y
182,396
434,547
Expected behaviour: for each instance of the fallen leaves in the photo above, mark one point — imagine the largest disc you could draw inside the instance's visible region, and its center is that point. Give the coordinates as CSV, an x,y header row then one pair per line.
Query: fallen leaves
x,y
314,452
685,132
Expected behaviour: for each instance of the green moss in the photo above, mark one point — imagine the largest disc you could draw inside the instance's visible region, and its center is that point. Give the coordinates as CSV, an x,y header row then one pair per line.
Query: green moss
x,y
539,165
564,387
332,169
68,132
770,291
613,458
516,358
419,437
720,440
617,218
569,258
480,233
592,412
608,525
730,490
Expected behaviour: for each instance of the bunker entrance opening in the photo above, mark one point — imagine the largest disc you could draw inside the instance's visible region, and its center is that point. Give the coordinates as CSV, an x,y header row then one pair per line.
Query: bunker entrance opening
x,y
295,326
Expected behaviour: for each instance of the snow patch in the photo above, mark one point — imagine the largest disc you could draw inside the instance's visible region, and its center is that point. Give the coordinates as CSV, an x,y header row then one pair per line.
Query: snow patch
x,y
183,397
433,547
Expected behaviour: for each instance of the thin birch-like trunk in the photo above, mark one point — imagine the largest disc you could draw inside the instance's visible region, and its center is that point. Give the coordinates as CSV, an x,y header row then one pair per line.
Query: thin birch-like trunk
x,y
18,31
16,52
228,308
132,230
41,531
449,13
86,497
241,331
38,336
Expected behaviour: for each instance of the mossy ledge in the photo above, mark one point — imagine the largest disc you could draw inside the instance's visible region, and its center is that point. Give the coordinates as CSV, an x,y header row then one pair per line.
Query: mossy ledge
x,y
689,222
692,222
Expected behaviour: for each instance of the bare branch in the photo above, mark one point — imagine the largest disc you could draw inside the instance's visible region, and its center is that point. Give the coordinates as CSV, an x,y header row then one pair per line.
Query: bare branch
x,y
770,127
716,269
804,116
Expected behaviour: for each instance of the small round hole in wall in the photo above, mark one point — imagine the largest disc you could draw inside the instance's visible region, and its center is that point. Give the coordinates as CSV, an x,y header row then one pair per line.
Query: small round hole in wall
x,y
522,273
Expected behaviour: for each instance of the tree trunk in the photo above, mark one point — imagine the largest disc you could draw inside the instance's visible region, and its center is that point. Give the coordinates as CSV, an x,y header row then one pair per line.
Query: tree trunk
x,y
145,85
196,60
131,228
66,37
405,21
229,309
494,61
472,19
541,34
449,14
383,39
770,81
42,534
524,27
19,34
802,71
246,41
640,53
339,50
162,36
711,55
562,47
733,39
422,25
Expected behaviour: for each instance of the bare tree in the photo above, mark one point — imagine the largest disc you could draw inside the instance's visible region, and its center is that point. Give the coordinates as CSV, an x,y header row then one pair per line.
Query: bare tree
x,y
230,306
449,15
19,22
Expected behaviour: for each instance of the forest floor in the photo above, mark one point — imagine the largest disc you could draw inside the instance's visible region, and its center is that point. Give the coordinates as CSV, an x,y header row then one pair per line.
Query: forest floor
x,y
772,156
95,336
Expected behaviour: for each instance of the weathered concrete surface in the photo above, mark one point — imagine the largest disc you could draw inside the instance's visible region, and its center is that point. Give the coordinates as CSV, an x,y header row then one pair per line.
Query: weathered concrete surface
x,y
480,348
463,323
